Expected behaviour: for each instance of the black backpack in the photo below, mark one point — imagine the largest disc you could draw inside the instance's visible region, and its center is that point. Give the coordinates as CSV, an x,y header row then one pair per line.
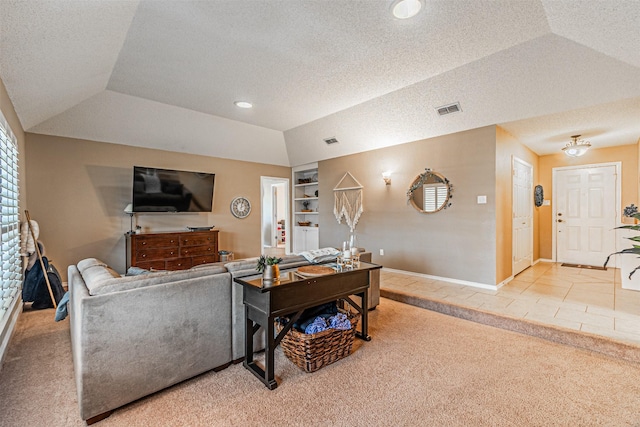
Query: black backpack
x,y
35,286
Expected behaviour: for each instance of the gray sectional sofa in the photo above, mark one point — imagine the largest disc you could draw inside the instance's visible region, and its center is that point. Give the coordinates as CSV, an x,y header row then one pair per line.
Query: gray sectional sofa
x,y
132,336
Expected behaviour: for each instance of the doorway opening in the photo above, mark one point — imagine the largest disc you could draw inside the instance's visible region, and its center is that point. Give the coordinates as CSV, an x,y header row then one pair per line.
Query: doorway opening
x,y
274,193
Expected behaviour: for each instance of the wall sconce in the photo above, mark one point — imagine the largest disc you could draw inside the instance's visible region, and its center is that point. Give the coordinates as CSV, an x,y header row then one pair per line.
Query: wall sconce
x,y
386,176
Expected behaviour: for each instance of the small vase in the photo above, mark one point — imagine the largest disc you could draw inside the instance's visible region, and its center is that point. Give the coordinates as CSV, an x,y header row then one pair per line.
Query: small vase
x,y
271,272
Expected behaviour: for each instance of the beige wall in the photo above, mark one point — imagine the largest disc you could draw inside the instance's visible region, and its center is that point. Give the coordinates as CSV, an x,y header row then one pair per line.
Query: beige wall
x,y
627,154
458,242
78,190
508,147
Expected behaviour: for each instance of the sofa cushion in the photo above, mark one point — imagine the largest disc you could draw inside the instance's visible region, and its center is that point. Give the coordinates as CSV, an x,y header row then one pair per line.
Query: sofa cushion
x,y
247,267
89,262
243,268
96,275
101,279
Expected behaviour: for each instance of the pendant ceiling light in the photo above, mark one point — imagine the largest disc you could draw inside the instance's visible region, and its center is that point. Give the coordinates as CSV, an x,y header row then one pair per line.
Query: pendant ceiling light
x,y
576,147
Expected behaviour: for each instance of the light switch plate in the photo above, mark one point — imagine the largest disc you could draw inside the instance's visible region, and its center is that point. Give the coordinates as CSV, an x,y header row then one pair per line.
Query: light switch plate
x,y
482,200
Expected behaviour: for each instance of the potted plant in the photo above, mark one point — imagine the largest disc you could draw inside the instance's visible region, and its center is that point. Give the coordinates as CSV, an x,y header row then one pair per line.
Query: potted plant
x,y
628,267
268,266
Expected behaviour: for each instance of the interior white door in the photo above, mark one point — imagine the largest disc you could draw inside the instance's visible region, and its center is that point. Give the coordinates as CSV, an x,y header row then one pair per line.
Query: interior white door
x,y
585,214
522,215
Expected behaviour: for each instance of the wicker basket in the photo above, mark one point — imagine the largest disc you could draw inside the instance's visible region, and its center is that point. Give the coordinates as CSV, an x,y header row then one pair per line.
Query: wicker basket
x,y
313,351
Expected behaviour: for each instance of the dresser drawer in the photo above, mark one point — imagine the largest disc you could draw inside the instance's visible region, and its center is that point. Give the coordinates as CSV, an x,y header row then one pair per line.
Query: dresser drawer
x,y
199,260
144,242
179,264
197,250
152,254
152,265
197,239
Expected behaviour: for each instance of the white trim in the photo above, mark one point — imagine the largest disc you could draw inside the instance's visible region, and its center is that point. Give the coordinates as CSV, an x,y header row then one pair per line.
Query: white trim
x,y
554,226
287,208
531,213
446,279
9,325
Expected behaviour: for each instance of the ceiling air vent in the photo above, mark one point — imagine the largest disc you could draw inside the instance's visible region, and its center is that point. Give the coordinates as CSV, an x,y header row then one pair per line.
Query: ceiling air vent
x,y
331,140
448,109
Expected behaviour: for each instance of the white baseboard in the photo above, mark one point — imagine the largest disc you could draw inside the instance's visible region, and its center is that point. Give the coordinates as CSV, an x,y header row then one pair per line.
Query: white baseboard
x,y
445,279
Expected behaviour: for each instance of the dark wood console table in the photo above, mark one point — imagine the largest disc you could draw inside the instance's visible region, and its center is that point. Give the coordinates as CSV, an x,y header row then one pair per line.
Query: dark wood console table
x,y
172,251
289,297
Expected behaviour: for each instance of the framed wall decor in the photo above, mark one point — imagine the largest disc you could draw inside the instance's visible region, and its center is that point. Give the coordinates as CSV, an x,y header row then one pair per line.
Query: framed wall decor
x,y
240,207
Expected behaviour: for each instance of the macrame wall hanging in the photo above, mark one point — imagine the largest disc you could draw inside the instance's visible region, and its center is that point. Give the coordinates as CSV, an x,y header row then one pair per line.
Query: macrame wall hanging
x,y
348,201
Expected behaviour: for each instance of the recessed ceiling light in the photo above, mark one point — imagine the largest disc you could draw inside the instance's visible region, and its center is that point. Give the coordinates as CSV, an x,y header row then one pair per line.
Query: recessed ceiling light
x,y
243,104
404,9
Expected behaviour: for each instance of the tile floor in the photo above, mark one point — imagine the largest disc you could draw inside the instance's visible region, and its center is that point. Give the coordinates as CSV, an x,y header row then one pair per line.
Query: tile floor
x,y
574,298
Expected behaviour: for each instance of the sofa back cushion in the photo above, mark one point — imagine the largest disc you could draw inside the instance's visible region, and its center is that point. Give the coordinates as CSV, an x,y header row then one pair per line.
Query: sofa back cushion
x,y
247,267
101,279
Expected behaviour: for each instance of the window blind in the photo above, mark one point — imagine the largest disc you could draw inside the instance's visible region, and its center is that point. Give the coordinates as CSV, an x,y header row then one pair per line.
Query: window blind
x,y
10,266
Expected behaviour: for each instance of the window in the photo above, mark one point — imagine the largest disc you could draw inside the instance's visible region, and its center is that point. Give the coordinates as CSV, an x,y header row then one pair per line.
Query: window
x,y
10,266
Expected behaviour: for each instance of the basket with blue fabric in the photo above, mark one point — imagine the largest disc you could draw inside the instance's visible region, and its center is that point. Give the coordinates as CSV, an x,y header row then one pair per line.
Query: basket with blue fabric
x,y
312,351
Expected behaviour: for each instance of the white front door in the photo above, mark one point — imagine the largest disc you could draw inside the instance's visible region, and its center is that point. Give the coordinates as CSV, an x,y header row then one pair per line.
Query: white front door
x,y
585,214
522,215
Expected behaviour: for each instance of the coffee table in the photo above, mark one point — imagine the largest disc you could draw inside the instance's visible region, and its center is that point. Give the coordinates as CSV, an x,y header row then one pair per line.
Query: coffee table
x,y
289,297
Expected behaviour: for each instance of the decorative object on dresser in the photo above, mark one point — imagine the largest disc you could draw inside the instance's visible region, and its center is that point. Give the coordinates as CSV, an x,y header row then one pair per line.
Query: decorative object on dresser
x,y
172,251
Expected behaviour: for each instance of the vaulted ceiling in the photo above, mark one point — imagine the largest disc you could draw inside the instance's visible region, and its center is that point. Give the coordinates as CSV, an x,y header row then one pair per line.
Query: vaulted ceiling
x,y
165,74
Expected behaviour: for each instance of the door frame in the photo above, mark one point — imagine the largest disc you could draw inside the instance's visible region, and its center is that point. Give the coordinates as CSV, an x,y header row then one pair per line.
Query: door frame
x,y
618,198
266,183
531,213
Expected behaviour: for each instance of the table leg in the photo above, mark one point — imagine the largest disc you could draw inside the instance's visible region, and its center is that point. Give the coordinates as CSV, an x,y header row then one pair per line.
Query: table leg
x,y
365,317
269,357
248,337
266,375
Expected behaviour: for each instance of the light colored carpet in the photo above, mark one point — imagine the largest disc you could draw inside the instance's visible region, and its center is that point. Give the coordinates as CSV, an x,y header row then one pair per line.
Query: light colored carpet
x,y
421,368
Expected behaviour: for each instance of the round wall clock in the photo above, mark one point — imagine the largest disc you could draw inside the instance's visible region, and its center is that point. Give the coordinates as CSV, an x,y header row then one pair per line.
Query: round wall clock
x,y
240,207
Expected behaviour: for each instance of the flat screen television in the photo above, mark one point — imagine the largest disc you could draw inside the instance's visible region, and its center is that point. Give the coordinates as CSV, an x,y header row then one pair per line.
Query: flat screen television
x,y
168,190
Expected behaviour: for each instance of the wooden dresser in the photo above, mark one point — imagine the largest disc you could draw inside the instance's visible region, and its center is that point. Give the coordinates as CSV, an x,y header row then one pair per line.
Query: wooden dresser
x,y
172,251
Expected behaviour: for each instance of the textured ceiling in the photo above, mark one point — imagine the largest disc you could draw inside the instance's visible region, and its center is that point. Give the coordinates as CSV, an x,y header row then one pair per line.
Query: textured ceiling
x,y
165,74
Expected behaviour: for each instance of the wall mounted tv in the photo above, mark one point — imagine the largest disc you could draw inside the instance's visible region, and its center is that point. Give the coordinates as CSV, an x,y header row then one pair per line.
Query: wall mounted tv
x,y
167,190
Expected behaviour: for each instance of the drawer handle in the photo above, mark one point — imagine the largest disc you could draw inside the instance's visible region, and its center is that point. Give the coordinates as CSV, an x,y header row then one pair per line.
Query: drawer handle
x,y
208,249
186,240
144,255
144,243
172,252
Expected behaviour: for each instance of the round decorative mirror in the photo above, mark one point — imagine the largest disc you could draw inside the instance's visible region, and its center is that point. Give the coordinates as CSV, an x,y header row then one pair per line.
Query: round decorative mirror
x,y
430,192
